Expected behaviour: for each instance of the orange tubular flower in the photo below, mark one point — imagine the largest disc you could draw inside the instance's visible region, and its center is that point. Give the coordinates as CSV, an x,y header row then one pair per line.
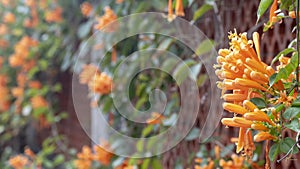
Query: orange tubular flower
x,y
231,123
262,136
234,97
241,141
234,108
249,105
171,16
258,116
179,8
258,76
255,37
242,121
258,126
249,146
249,83
272,16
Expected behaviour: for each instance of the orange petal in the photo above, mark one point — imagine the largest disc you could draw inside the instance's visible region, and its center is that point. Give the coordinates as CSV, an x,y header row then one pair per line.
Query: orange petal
x,y
234,108
256,44
261,136
241,142
249,105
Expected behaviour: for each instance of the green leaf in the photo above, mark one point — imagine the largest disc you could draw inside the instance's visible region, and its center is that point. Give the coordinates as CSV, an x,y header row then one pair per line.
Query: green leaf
x,y
201,80
169,64
156,164
145,164
274,150
182,71
194,134
286,4
287,144
291,112
272,79
262,8
259,102
171,120
147,130
201,11
58,159
84,29
284,52
294,125
140,145
205,47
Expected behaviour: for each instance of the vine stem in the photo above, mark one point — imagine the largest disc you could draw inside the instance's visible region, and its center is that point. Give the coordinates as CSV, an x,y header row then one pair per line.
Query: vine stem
x,y
297,34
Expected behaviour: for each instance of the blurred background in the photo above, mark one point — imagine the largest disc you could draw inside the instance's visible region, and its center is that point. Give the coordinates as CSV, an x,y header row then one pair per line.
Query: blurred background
x,y
40,41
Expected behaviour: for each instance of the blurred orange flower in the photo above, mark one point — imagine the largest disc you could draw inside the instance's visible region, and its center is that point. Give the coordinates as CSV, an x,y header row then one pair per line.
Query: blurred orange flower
x,y
119,1
108,17
156,118
38,102
54,15
17,91
9,18
18,162
3,29
101,154
84,158
3,43
88,73
35,84
101,84
86,8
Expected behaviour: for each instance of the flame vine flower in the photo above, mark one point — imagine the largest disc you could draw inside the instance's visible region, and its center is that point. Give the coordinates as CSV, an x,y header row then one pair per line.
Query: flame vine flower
x,y
256,93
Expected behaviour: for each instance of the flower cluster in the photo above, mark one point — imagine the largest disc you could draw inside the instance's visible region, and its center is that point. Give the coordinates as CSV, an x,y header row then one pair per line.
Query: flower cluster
x,y
22,161
86,156
244,77
179,9
235,161
98,82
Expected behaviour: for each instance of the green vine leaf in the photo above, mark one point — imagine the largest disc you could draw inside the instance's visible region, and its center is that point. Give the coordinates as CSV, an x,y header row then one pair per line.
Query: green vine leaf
x,y
259,102
262,8
294,125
